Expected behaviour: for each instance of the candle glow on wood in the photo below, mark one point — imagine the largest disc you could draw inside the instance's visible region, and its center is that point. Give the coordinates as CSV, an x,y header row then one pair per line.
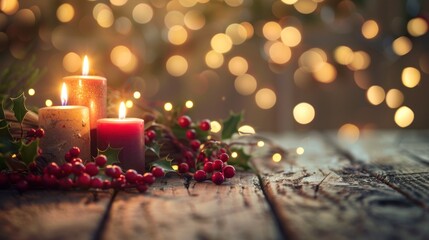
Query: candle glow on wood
x,y
122,111
64,96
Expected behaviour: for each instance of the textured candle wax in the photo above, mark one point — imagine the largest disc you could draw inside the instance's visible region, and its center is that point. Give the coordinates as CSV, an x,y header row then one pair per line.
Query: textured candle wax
x,y
127,134
89,91
65,127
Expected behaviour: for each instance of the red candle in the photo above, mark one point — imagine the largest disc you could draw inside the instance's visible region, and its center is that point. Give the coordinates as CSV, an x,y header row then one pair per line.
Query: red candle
x,y
126,134
89,91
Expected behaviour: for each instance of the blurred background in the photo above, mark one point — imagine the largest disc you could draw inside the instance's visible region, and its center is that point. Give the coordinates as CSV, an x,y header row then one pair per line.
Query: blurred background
x,y
288,64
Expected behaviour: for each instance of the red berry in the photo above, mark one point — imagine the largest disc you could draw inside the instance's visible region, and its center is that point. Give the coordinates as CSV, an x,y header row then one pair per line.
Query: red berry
x,y
217,164
224,157
151,134
119,182
68,157
208,167
109,171
33,167
200,175
78,168
148,178
100,160
222,150
142,187
118,171
158,172
229,171
22,185
107,184
183,168
195,144
78,160
91,168
131,175
74,152
191,134
65,183
67,168
188,155
146,140
205,125
96,182
4,180
31,179
15,178
40,133
218,178
49,180
84,180
53,168
184,121
31,133
201,157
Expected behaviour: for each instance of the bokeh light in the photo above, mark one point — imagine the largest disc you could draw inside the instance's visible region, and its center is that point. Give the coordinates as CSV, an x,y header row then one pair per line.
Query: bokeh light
x,y
265,98
142,13
325,73
177,35
402,45
277,157
237,33
194,20
370,29
343,55
221,43
300,150
189,104
305,6
246,130
65,12
215,126
279,53
394,98
72,62
129,104
137,95
375,95
177,65
168,106
404,116
245,84
290,36
214,59
271,30
48,102
304,113
410,77
238,66
417,27
349,133
9,7
122,57
31,91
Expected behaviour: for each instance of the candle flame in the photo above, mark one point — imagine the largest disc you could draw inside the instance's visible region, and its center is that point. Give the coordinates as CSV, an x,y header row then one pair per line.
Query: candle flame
x,y
85,66
122,110
64,96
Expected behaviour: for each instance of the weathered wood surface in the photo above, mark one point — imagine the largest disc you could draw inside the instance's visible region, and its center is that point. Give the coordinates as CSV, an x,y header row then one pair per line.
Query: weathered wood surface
x,y
51,214
234,210
323,195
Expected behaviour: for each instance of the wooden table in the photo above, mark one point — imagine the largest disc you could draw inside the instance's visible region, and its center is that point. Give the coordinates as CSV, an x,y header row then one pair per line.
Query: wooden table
x,y
377,188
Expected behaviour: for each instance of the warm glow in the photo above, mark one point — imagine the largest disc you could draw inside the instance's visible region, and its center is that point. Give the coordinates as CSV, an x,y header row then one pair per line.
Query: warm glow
x,y
375,95
234,3
402,46
234,154
9,6
177,65
177,35
245,84
168,106
279,53
265,98
271,31
246,130
72,62
122,57
410,77
85,66
137,95
370,29
129,104
277,157
237,33
122,111
260,143
118,2
404,116
31,92
238,66
175,167
361,60
189,104
304,113
343,55
194,20
299,150
214,59
305,6
221,43
349,132
48,102
142,13
64,96
325,73
289,2
394,98
215,126
290,36
65,12
313,60
417,27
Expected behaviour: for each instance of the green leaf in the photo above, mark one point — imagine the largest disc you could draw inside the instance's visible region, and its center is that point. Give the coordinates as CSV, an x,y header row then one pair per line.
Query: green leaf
x,y
241,161
19,108
112,154
2,116
154,147
164,163
28,152
4,131
230,126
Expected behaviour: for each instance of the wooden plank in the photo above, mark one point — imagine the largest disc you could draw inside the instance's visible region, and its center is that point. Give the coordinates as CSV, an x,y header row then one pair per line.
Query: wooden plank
x,y
234,210
51,214
382,154
416,144
322,195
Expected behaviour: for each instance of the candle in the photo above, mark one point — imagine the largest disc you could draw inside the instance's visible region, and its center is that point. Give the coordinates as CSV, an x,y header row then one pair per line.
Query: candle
x,y
89,91
65,127
126,134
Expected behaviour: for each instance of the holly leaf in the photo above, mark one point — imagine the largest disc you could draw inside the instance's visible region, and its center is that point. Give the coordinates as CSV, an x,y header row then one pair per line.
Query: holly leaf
x,y
2,116
164,163
4,131
19,108
112,154
241,161
28,151
14,164
155,148
230,126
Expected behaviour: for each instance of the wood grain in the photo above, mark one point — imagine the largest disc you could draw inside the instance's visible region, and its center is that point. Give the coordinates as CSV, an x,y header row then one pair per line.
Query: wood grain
x,y
235,210
50,214
322,195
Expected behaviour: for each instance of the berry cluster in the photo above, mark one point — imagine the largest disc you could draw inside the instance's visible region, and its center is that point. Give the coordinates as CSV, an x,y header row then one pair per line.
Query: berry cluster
x,y
74,173
33,134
